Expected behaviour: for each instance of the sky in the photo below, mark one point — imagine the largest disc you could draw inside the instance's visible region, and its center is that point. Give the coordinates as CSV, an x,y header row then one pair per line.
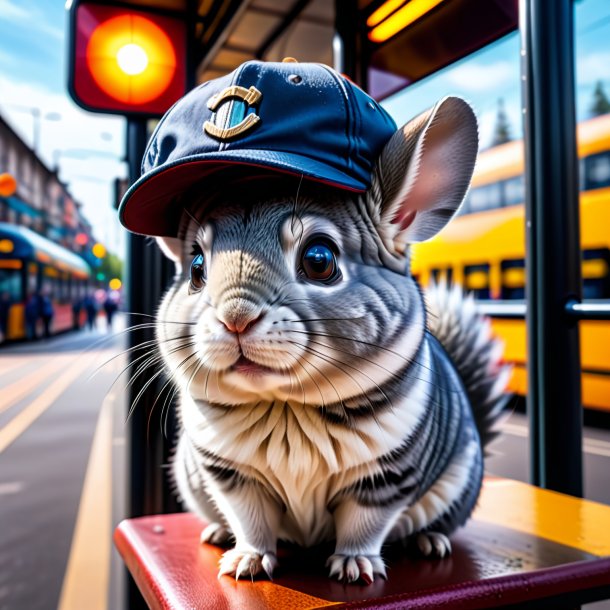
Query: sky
x,y
33,75
493,73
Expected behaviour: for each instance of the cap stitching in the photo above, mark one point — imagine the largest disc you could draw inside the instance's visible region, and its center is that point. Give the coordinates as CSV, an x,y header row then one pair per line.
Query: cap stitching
x,y
346,101
153,137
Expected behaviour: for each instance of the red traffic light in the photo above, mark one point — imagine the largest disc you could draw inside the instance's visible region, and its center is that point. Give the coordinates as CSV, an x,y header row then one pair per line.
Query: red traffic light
x,y
126,61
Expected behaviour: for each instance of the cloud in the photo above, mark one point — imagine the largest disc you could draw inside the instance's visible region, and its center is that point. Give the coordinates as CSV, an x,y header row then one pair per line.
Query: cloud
x,y
476,77
31,17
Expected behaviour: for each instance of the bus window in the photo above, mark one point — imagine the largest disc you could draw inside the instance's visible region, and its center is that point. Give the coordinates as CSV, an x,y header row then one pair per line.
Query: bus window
x,y
596,171
476,280
485,197
513,279
596,273
32,278
445,275
10,281
514,190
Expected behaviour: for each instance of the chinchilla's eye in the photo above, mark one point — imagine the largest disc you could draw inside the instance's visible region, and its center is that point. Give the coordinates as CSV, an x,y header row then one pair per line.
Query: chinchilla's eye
x,y
319,263
197,272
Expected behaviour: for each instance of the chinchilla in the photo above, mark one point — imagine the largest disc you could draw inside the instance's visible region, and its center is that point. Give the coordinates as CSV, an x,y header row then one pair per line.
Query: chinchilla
x,y
321,398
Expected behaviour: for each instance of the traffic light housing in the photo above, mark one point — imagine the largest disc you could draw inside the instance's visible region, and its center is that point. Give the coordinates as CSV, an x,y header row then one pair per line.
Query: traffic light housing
x,y
126,61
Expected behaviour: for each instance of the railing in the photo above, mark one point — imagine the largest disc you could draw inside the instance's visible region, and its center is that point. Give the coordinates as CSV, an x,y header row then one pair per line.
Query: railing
x,y
593,309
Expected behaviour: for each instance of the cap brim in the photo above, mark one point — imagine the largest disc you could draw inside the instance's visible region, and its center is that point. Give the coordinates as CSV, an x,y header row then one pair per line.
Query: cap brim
x,y
149,206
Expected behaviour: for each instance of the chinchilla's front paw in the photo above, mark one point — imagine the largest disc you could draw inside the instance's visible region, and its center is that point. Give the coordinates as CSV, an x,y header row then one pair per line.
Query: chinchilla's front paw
x,y
247,564
215,533
433,545
350,568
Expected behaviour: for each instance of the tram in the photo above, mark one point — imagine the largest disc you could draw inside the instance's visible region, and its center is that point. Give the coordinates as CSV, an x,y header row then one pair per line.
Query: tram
x,y
31,264
484,249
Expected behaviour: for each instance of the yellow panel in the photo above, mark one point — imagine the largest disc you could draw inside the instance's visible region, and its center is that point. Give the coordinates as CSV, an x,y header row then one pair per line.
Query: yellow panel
x,y
596,391
16,322
512,333
595,345
563,519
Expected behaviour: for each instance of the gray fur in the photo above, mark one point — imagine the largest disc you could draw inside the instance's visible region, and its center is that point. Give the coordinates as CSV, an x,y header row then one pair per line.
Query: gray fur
x,y
362,427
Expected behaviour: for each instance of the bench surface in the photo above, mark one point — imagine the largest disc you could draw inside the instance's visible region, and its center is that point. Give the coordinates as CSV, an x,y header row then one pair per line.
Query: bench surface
x,y
523,544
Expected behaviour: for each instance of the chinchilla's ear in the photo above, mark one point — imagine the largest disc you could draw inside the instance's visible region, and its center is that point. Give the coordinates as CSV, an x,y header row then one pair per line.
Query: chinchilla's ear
x,y
172,248
423,173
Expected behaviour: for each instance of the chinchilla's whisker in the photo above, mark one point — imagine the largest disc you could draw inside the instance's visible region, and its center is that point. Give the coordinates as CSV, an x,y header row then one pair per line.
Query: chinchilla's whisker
x,y
141,392
394,374
376,346
354,355
135,348
156,318
153,360
321,373
165,385
335,362
313,380
351,319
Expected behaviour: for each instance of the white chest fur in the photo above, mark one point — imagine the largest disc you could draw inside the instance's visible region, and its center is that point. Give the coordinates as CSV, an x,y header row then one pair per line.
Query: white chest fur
x,y
300,457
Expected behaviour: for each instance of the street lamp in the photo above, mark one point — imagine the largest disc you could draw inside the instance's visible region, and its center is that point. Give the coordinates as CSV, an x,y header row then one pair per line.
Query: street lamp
x,y
37,117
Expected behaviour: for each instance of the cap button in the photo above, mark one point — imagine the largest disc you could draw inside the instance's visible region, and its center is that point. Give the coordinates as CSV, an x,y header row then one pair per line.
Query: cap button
x,y
289,60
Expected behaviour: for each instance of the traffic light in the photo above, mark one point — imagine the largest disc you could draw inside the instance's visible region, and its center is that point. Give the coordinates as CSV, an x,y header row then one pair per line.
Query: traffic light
x,y
125,61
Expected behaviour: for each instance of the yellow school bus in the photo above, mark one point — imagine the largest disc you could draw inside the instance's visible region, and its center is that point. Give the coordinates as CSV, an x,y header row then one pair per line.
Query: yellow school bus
x,y
484,249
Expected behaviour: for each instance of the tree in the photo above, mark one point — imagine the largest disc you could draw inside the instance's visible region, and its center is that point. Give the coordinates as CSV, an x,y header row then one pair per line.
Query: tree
x,y
502,128
601,103
112,266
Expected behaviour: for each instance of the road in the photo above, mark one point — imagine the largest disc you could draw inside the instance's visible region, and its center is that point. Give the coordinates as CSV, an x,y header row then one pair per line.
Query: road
x,y
62,464
51,410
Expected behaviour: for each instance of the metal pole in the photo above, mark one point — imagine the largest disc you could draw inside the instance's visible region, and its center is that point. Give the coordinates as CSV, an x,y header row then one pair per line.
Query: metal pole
x,y
348,43
553,247
148,276
148,450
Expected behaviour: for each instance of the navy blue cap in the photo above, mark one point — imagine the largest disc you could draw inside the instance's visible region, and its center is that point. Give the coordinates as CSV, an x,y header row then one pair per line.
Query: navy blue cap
x,y
297,118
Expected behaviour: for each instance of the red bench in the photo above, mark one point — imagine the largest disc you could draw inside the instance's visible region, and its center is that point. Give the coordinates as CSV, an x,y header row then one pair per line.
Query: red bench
x,y
524,547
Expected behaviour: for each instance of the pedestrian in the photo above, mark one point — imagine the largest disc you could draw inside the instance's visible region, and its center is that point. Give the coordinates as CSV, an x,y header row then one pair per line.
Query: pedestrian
x,y
46,313
32,314
5,308
110,307
77,306
91,309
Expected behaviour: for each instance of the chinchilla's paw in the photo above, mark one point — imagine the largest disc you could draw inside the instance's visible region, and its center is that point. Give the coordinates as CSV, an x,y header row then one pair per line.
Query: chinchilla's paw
x,y
350,568
433,545
247,564
215,533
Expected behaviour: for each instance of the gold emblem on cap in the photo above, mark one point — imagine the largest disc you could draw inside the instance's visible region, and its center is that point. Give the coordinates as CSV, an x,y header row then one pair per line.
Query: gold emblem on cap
x,y
249,96
290,60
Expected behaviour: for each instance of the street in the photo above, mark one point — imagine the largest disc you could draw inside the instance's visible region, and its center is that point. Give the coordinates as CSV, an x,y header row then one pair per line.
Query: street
x,y
62,443
57,410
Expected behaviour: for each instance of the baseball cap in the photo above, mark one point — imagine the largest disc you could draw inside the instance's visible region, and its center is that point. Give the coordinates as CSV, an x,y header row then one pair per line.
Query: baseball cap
x,y
303,119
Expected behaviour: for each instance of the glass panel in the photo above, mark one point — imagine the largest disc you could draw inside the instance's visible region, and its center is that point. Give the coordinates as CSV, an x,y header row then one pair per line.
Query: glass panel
x,y
597,171
514,190
10,283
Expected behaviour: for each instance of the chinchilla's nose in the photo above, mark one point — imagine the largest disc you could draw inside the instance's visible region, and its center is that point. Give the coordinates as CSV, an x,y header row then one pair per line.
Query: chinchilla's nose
x,y
239,315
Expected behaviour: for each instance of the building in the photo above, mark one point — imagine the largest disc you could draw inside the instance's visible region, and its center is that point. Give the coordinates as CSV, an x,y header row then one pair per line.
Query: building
x,y
42,202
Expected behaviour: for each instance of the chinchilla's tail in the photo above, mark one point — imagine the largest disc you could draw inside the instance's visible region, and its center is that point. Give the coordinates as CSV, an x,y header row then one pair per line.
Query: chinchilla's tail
x,y
477,355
